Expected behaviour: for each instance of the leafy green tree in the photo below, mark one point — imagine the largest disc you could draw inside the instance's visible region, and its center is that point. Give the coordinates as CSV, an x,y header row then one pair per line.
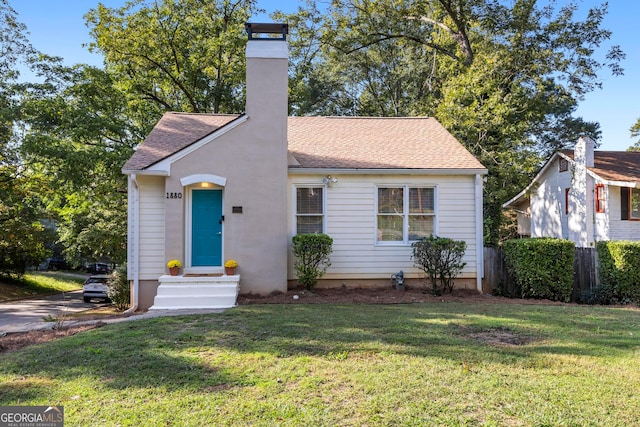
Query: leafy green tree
x,y
635,132
77,135
178,55
21,233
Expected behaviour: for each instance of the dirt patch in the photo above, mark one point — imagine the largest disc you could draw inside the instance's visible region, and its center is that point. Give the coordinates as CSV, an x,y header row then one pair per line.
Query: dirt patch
x,y
378,296
498,337
16,341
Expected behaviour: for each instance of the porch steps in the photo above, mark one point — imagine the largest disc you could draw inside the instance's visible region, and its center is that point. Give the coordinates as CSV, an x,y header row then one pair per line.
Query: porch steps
x,y
196,292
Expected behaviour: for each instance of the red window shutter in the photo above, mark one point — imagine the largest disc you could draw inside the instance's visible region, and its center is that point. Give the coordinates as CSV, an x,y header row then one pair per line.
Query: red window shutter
x,y
600,198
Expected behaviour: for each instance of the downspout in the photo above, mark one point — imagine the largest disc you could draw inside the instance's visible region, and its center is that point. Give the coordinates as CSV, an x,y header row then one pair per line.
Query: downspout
x,y
479,234
134,237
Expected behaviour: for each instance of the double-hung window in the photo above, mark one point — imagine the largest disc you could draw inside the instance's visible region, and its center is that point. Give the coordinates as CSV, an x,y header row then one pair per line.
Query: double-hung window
x,y
405,214
309,210
630,206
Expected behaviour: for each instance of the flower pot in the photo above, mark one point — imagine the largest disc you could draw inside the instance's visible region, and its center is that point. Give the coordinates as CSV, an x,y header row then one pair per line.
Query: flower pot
x,y
229,271
174,271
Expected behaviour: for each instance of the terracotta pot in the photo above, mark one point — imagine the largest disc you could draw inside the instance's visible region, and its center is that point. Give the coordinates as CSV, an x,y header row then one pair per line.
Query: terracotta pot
x,y
229,271
174,271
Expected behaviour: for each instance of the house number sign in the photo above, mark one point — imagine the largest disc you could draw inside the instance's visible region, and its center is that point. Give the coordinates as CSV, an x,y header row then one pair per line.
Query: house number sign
x,y
174,195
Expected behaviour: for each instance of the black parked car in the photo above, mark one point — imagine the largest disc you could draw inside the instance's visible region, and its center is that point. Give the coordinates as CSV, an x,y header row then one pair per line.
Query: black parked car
x,y
98,268
57,263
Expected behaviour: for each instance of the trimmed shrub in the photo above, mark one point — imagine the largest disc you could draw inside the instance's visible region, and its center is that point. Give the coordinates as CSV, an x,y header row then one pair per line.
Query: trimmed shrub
x,y
620,269
311,253
441,259
541,267
118,290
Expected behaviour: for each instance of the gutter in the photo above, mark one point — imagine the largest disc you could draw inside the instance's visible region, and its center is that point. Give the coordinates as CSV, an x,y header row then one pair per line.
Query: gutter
x,y
479,235
382,171
133,245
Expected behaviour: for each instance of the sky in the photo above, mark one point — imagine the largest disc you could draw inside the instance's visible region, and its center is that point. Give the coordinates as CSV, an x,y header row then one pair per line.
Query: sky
x,y
57,28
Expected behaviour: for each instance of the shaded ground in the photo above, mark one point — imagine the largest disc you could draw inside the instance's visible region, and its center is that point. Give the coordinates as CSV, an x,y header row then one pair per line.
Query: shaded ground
x,y
16,341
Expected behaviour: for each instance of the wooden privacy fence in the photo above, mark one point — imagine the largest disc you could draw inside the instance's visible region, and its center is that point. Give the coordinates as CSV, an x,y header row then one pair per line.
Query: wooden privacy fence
x,y
585,272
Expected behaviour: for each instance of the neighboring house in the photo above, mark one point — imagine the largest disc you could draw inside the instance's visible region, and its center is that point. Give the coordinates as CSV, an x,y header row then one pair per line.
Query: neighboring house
x,y
585,196
204,188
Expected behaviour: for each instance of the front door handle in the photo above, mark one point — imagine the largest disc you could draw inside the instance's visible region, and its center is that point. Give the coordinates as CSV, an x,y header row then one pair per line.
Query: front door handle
x,y
219,232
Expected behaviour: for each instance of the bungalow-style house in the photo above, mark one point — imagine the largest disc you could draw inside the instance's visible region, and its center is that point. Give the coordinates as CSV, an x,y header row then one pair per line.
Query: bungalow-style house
x,y
585,196
205,188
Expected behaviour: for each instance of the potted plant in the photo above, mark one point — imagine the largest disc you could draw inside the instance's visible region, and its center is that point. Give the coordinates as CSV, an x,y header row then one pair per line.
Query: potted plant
x,y
230,267
174,267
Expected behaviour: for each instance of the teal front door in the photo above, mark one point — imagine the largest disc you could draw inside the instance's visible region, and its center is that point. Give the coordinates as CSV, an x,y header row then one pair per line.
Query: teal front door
x,y
206,228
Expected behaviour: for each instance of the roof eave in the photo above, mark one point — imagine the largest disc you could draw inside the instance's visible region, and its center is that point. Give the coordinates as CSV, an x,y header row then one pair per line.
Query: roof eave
x,y
389,171
149,172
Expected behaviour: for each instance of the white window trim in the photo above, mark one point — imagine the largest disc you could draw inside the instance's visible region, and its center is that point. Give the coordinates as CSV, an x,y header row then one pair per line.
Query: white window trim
x,y
631,191
405,214
189,269
294,206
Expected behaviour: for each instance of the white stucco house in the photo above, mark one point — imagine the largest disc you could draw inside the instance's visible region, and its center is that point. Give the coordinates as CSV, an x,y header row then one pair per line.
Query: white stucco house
x,y
204,188
582,195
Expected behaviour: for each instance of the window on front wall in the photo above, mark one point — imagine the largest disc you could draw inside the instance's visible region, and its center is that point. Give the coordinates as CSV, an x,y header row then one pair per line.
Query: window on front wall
x,y
630,203
309,210
563,165
600,198
405,214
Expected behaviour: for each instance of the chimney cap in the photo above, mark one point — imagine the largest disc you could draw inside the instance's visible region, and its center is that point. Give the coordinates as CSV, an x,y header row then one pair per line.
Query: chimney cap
x,y
269,28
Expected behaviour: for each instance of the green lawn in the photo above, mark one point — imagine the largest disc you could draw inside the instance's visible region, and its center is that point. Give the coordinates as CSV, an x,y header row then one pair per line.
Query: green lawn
x,y
40,283
419,364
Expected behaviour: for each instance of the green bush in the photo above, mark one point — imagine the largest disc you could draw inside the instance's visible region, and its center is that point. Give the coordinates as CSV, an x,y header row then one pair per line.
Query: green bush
x,y
440,258
311,253
118,291
620,269
541,267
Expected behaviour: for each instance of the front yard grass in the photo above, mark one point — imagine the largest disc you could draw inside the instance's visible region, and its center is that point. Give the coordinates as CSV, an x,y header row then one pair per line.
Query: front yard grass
x,y
440,364
40,283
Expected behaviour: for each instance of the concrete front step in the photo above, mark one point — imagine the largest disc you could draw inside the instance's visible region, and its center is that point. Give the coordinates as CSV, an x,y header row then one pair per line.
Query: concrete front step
x,y
196,292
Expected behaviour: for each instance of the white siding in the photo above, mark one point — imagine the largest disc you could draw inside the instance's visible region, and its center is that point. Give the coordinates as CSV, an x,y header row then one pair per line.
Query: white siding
x,y
618,229
152,250
548,218
351,222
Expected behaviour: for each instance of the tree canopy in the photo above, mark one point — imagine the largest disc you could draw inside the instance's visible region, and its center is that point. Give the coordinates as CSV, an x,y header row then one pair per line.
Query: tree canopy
x,y
178,55
504,78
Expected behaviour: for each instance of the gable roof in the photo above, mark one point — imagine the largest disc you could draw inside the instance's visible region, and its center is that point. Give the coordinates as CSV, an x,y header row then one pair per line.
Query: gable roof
x,y
620,166
174,132
326,142
611,167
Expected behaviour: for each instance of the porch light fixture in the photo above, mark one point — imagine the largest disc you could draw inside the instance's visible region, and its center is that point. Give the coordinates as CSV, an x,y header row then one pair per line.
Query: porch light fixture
x,y
204,184
329,180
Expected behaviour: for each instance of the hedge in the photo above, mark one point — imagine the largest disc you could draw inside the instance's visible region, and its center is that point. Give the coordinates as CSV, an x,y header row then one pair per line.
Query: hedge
x,y
620,269
541,267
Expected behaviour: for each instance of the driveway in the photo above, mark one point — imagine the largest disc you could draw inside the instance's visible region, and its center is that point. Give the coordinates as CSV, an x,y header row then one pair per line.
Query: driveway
x,y
28,314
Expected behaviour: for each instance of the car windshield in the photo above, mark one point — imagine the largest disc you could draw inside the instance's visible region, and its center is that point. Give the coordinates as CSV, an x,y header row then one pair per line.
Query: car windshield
x,y
96,280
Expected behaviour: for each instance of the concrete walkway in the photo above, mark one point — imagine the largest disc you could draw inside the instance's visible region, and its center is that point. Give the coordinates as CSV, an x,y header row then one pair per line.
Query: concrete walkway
x,y
33,313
